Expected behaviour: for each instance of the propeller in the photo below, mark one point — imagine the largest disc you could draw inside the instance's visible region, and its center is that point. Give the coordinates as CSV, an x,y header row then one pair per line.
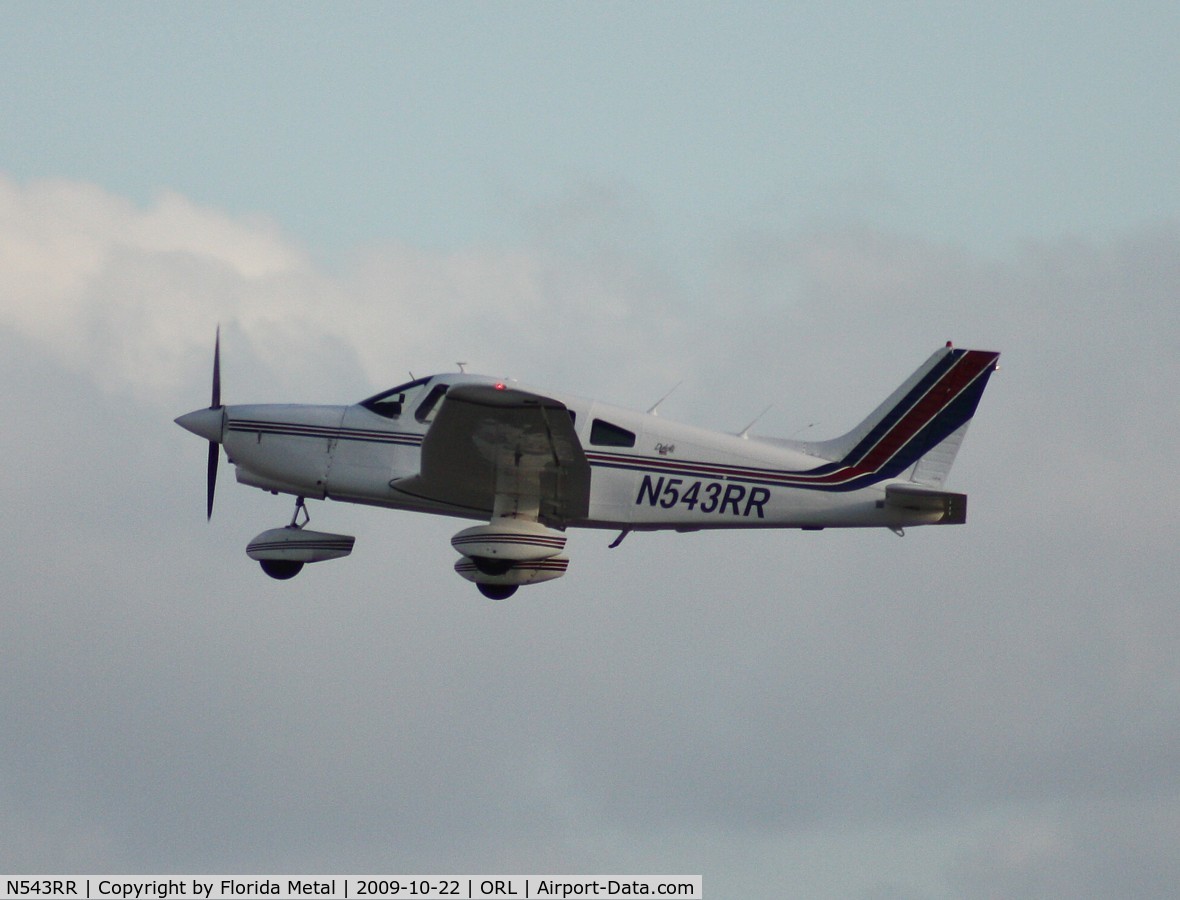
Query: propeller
x,y
209,423
215,403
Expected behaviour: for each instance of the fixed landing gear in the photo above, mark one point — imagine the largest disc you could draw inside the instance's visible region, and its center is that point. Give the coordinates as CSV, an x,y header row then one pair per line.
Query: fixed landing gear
x,y
282,552
285,569
510,551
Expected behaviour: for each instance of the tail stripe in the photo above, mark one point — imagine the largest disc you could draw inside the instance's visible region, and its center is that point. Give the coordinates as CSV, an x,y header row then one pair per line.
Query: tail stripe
x,y
926,403
939,404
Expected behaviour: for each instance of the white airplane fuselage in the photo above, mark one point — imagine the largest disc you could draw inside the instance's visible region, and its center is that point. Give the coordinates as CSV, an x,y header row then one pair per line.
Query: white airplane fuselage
x,y
533,464
676,476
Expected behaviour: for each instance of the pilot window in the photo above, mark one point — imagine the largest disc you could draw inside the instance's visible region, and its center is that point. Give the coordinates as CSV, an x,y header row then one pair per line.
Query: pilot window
x,y
389,403
427,408
604,434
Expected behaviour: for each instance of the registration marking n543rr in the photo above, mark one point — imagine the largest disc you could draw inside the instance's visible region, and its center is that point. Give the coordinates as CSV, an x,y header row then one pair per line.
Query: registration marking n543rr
x,y
704,496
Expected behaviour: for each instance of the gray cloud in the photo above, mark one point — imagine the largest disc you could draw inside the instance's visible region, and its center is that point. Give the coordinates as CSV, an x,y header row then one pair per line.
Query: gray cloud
x,y
1014,682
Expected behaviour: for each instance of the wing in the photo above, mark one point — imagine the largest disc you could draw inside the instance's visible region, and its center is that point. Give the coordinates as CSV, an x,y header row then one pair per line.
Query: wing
x,y
501,451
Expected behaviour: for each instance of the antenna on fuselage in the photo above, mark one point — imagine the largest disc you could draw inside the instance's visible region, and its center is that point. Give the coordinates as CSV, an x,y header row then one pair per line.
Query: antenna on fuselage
x,y
655,410
462,371
745,432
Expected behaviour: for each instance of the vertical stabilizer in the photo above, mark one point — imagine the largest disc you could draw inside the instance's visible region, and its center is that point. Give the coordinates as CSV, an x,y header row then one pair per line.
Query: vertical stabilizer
x,y
917,431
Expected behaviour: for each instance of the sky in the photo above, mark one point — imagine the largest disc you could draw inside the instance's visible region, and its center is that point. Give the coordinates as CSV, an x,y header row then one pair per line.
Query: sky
x,y
763,203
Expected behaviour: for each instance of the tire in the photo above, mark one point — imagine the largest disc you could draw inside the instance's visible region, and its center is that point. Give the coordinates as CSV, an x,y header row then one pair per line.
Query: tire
x,y
496,591
280,569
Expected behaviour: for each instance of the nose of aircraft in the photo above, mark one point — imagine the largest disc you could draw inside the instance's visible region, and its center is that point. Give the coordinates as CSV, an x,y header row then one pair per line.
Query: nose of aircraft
x,y
206,423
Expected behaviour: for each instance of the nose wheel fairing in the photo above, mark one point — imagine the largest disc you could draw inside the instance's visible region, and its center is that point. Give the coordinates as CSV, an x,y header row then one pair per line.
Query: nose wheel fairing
x,y
282,552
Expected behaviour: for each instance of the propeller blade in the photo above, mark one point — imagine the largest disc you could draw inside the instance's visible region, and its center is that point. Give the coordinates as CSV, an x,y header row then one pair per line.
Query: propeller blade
x,y
211,478
216,404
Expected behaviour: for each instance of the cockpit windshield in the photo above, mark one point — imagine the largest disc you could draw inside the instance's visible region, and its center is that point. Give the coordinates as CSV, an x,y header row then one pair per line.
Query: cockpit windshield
x,y
389,403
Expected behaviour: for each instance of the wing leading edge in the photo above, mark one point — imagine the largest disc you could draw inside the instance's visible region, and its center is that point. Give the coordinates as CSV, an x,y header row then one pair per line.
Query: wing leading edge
x,y
499,451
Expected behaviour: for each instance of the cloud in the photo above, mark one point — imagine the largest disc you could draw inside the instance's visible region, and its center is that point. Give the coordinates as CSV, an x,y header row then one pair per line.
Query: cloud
x,y
117,291
1085,850
1014,681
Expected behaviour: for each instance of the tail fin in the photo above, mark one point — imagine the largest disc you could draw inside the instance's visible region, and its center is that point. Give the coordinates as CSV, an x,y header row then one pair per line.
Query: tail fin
x,y
919,428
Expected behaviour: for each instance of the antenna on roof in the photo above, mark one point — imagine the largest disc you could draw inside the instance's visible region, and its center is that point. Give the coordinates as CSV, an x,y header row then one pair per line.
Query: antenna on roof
x,y
655,410
745,432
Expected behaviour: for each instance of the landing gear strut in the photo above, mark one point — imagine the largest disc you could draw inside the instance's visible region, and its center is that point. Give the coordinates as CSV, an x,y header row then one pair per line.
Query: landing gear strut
x,y
300,507
284,569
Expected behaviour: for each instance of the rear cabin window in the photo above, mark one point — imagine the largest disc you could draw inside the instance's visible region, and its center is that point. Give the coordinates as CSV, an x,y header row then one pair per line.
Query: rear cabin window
x,y
604,434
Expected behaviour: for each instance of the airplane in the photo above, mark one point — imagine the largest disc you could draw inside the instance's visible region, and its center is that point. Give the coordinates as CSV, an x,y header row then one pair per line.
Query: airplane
x,y
532,464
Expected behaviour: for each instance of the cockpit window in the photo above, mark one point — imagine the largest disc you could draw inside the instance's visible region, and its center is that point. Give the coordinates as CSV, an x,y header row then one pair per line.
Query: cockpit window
x,y
604,434
389,403
427,408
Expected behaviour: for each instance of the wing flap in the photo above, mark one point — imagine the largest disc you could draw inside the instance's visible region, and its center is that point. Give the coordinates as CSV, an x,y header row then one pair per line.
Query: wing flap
x,y
492,449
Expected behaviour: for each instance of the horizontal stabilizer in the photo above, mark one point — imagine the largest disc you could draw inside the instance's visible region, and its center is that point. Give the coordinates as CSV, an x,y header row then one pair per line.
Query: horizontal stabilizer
x,y
915,498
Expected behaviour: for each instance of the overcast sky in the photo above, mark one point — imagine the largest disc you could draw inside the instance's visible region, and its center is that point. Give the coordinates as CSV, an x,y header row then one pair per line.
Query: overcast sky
x,y
769,204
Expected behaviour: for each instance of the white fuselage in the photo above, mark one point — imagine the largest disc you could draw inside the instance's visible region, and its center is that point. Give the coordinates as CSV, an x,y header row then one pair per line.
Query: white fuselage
x,y
646,472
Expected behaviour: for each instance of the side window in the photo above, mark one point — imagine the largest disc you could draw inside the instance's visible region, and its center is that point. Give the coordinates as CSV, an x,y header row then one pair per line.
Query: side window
x,y
604,434
389,403
428,407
